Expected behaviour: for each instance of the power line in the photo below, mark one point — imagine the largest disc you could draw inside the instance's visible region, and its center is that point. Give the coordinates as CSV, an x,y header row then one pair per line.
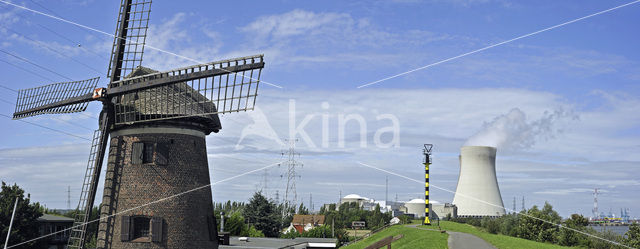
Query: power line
x,y
51,129
75,43
6,101
33,63
10,89
498,44
41,6
28,71
55,51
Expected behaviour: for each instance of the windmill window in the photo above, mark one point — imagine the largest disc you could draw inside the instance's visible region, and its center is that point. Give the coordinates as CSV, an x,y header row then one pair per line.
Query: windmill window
x,y
141,228
147,153
150,153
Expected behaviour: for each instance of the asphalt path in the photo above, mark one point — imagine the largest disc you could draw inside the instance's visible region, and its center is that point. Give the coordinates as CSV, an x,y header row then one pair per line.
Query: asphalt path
x,y
459,240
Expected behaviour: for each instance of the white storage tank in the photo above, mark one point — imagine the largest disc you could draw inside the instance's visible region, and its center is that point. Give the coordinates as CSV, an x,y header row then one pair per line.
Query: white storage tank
x,y
415,207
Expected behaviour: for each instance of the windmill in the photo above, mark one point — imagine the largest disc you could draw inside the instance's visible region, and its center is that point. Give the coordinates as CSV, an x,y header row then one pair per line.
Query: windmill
x,y
155,123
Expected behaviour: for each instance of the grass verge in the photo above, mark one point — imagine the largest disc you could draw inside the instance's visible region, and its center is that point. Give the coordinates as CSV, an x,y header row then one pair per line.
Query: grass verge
x,y
498,240
413,238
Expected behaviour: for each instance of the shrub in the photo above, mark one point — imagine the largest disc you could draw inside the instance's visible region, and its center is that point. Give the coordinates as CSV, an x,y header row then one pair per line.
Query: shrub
x,y
632,237
291,234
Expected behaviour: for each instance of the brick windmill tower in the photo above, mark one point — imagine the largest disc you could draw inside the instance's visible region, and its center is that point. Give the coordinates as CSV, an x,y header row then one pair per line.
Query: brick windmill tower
x,y
156,124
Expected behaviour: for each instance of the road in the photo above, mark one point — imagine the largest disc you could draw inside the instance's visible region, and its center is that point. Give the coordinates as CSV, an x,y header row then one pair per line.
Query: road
x,y
459,240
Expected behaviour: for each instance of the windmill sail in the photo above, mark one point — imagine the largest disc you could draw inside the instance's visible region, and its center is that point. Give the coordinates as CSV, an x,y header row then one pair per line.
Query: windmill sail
x,y
130,38
126,55
64,97
200,90
89,185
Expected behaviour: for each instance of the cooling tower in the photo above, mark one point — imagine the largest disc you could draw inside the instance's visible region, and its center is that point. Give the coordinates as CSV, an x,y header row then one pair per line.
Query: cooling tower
x,y
478,194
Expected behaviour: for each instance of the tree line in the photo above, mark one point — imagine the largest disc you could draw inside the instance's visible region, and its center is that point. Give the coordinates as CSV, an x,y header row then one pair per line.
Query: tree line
x,y
261,217
346,213
531,225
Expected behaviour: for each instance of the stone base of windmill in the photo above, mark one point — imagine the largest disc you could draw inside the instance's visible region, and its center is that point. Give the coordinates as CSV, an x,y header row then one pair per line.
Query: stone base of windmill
x,y
144,203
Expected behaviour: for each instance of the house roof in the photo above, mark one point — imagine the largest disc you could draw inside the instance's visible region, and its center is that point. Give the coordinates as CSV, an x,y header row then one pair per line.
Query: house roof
x,y
300,219
54,218
177,99
299,228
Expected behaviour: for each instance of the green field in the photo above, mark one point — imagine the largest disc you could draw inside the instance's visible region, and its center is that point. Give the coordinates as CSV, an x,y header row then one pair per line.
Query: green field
x,y
498,240
413,238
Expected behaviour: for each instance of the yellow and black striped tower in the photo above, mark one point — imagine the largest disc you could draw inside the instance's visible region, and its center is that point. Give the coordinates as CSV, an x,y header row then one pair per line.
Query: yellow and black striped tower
x,y
427,162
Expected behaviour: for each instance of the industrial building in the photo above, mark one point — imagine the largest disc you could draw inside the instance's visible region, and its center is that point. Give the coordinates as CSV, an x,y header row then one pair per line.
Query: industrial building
x,y
355,198
437,210
363,202
442,210
477,193
414,207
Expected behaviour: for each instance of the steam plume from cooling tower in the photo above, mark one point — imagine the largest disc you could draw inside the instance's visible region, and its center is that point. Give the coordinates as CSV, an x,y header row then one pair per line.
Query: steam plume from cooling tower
x,y
512,130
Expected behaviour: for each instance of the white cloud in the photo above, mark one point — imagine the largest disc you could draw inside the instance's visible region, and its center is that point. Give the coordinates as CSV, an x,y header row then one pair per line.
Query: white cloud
x,y
564,191
322,37
173,36
298,23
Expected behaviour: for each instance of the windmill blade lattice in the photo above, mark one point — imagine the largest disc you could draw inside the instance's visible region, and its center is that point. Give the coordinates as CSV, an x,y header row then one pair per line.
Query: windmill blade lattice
x,y
206,89
52,93
130,38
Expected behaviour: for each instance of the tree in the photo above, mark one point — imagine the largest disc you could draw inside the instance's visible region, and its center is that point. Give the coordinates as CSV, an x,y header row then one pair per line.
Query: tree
x,y
632,237
568,236
25,223
508,224
291,234
404,219
234,224
491,224
602,240
263,214
323,231
302,209
539,225
251,231
448,217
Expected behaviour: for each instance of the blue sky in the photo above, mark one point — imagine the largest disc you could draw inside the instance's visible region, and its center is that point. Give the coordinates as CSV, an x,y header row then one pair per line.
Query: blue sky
x,y
577,88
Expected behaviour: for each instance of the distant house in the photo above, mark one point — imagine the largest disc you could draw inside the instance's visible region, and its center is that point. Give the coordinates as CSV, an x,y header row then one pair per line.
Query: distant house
x,y
394,221
303,223
50,224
